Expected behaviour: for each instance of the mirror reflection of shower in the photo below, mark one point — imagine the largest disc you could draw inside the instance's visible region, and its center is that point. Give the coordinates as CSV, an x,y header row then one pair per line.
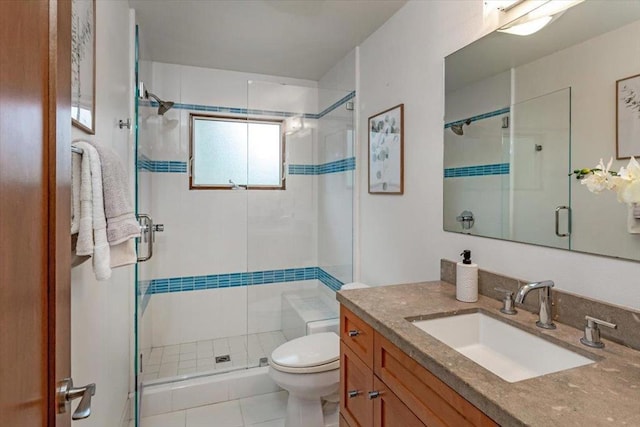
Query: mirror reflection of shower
x,y
457,127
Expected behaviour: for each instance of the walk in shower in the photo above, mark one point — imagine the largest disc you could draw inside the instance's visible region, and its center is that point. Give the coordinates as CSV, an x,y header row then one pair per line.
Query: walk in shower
x,y
249,184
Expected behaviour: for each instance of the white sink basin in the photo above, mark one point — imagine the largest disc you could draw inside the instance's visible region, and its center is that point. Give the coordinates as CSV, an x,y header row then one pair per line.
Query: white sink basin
x,y
512,354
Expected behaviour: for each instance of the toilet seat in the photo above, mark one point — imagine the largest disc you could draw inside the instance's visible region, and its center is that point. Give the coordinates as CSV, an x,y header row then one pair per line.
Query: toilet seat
x,y
308,354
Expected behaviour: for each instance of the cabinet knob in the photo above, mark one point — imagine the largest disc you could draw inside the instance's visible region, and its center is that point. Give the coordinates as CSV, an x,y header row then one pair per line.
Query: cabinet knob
x,y
354,333
374,394
353,393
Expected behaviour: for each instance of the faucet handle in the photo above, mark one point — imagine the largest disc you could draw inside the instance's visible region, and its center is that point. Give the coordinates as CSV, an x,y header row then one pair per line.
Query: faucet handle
x,y
507,302
592,332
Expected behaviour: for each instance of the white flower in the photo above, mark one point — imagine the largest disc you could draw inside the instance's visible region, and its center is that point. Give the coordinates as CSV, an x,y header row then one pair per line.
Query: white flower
x,y
600,178
627,184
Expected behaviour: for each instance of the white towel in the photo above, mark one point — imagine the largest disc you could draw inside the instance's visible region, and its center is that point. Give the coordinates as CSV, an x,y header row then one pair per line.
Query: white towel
x,y
121,222
84,246
123,254
92,215
633,221
76,160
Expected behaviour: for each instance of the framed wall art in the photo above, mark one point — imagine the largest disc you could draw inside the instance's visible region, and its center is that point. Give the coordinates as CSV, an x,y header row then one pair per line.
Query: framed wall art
x,y
83,64
386,151
628,117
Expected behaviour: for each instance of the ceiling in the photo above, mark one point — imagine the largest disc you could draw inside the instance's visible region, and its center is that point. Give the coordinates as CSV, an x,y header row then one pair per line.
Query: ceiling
x,y
292,38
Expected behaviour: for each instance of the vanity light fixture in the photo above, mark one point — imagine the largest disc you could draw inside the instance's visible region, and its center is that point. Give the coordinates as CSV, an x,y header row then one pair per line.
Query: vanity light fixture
x,y
539,18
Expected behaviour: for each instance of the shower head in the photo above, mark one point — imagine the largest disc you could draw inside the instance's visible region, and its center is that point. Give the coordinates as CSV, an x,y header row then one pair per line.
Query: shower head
x,y
457,127
163,106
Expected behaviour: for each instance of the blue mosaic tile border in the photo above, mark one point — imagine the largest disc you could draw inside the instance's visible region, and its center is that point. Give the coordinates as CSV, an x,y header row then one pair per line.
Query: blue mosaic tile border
x,y
480,117
214,281
328,280
332,167
253,112
479,170
171,166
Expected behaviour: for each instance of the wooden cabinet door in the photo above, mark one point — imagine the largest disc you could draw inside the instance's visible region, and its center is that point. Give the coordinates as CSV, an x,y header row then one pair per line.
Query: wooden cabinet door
x,y
356,380
35,176
389,411
357,334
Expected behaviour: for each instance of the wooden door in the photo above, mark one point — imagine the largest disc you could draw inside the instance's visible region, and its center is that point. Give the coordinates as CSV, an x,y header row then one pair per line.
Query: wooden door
x,y
34,209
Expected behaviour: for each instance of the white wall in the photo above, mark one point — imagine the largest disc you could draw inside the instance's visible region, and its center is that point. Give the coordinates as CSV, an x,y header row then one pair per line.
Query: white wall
x,y
401,236
101,315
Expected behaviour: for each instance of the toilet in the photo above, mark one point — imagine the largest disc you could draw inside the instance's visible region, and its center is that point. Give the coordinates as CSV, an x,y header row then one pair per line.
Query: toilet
x,y
309,369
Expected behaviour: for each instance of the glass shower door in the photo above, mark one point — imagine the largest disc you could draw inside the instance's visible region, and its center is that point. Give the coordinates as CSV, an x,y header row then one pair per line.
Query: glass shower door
x,y
299,237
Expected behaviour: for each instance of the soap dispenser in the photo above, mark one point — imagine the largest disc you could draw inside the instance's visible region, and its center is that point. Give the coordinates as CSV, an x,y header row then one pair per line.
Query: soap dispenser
x,y
466,279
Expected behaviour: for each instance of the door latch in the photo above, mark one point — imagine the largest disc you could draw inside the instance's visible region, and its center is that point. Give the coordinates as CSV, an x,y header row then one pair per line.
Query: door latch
x,y
65,393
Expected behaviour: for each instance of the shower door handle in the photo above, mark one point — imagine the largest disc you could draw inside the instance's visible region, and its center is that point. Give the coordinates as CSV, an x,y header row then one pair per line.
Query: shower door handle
x,y
568,233
146,231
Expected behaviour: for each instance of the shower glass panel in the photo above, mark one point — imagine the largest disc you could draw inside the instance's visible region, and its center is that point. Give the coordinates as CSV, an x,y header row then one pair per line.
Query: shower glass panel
x,y
540,141
299,237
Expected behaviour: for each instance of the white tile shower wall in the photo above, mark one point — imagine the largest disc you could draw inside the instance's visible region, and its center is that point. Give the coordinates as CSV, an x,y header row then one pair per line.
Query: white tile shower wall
x,y
280,225
481,195
402,238
183,317
481,144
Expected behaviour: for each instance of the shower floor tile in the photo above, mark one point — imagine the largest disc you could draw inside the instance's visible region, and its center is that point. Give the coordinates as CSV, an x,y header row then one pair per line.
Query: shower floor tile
x,y
197,357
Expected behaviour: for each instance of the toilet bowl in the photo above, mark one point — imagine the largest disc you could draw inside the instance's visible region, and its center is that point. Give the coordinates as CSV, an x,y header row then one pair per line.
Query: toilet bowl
x,y
309,369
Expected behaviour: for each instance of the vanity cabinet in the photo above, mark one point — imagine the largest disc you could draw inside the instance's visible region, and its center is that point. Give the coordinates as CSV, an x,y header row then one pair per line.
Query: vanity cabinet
x,y
379,383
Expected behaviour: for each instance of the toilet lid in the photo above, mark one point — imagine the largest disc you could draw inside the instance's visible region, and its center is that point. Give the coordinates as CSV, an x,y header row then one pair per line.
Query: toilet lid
x,y
307,351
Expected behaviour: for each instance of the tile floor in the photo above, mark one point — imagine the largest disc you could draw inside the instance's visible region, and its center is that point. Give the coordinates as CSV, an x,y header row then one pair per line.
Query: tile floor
x,y
266,410
199,357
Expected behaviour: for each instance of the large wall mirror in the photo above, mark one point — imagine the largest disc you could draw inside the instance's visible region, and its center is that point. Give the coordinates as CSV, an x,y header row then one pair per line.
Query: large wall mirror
x,y
522,112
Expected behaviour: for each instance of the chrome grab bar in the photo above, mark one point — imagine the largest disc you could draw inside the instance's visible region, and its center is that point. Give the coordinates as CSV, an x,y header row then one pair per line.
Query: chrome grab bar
x,y
148,234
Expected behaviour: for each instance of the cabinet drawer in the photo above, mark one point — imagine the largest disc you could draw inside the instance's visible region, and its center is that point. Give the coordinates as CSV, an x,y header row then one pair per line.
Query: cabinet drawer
x,y
389,411
434,402
357,378
357,334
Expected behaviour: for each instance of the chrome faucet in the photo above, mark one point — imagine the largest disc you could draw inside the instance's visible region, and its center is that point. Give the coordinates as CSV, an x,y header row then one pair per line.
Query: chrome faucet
x,y
546,320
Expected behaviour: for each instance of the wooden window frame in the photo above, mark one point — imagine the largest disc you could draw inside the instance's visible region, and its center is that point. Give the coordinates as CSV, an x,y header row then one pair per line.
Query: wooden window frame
x,y
283,179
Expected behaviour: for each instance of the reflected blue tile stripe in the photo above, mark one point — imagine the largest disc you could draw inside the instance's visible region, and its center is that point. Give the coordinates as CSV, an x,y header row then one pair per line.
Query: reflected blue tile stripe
x,y
230,280
478,170
480,117
144,292
325,168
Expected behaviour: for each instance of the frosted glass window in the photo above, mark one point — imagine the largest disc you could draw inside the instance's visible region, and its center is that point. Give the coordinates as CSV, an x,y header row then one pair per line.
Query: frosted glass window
x,y
227,152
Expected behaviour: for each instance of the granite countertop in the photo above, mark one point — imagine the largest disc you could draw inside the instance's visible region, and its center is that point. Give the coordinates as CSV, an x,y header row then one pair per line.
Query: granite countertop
x,y
606,392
